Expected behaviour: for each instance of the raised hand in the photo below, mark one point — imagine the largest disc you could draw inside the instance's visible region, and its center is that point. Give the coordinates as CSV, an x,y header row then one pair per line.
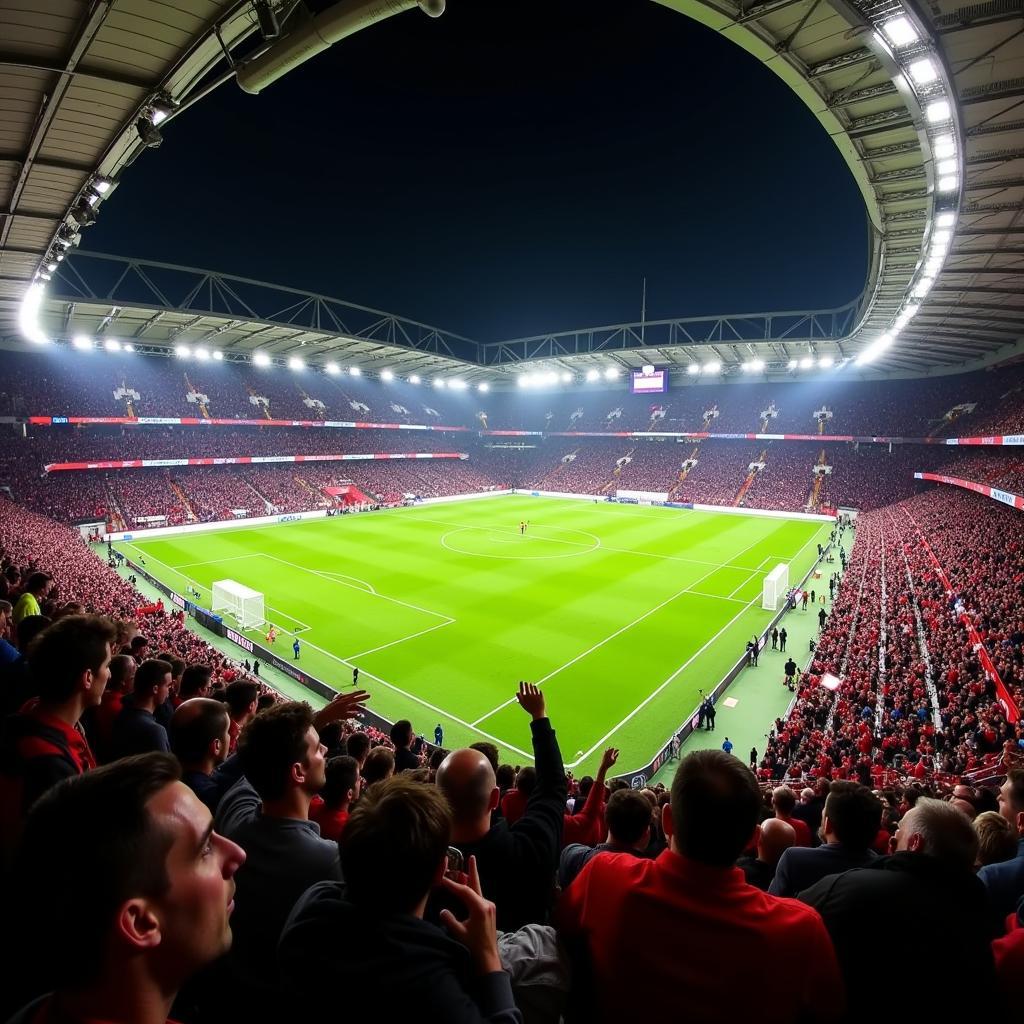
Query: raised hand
x,y
345,705
479,932
608,758
531,700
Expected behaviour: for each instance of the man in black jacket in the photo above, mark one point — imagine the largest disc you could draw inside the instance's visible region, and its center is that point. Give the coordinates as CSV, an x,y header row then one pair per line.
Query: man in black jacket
x,y
850,824
345,948
517,862
927,898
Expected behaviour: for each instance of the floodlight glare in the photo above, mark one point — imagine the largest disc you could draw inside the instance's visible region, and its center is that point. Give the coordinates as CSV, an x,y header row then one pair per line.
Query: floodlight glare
x,y
414,379
332,368
945,220
202,354
438,383
551,377
483,386
112,345
566,377
261,359
51,266
611,373
182,351
693,369
900,32
874,350
947,167
943,146
937,111
806,363
792,364
295,363
82,341
713,367
354,371
387,375
127,347
458,385
948,183
826,362
593,375
102,185
923,71
218,355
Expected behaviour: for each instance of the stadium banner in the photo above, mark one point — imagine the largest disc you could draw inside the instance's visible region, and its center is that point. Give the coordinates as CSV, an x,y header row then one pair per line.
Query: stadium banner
x,y
640,777
246,460
1006,497
765,513
644,496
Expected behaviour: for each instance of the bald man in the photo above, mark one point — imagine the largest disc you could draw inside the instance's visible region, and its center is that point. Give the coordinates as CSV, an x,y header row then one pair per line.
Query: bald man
x,y
200,738
517,862
774,837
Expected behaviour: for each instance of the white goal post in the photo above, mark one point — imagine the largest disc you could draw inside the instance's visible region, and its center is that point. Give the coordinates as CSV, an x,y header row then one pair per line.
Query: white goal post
x,y
244,604
776,586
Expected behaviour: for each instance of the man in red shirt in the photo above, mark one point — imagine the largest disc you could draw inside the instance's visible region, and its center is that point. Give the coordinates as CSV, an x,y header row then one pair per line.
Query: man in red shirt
x,y
718,941
784,802
340,791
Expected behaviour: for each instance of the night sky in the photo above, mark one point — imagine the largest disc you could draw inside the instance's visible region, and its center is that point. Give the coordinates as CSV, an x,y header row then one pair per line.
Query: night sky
x,y
510,169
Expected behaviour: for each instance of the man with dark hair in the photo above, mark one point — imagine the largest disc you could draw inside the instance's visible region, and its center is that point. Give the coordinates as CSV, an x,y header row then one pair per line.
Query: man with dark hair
x,y
151,886
136,730
163,712
394,852
199,739
849,827
358,746
378,765
195,682
241,697
628,816
929,883
8,652
283,764
68,664
514,802
99,722
340,791
784,803
517,862
403,736
727,938
37,586
1004,882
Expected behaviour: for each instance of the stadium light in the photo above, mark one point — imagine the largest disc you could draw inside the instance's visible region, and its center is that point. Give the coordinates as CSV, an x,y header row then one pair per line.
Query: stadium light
x,y
713,367
387,375
792,364
938,111
438,382
354,371
566,377
806,363
101,184
28,314
295,363
261,359
332,368
523,380
947,167
126,347
182,351
753,365
51,266
217,355
693,369
611,373
457,385
923,72
82,342
483,386
414,379
948,183
874,350
923,287
899,32
202,354
551,377
826,362
593,375
945,220
943,146
112,345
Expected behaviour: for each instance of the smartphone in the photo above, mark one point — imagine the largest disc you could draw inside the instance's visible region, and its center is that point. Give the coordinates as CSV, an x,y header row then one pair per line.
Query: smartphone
x,y
456,862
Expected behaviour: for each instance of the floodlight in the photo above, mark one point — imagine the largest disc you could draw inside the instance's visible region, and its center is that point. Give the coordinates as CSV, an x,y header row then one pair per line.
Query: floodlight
x,y
899,32
806,363
83,214
218,355
332,368
354,371
947,167
551,377
112,345
792,364
945,220
948,183
182,351
566,377
713,367
161,108
150,135
295,363
874,350
483,386
126,347
943,146
611,373
82,341
28,314
458,385
102,185
923,287
937,111
202,354
923,71
438,382
414,379
523,380
261,359
826,362
387,375
593,375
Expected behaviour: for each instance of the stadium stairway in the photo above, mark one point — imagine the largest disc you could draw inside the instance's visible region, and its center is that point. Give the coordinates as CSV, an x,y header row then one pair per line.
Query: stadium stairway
x,y
186,504
745,486
252,487
814,499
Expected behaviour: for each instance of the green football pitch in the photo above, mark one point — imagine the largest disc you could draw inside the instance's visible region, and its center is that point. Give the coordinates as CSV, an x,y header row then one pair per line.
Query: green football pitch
x,y
621,612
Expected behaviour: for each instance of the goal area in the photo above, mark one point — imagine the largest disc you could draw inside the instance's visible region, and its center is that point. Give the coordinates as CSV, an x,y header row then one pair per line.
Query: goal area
x,y
776,586
244,604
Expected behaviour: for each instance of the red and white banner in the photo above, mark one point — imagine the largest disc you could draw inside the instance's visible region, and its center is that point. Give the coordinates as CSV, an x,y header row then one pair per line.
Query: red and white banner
x,y
245,460
1006,497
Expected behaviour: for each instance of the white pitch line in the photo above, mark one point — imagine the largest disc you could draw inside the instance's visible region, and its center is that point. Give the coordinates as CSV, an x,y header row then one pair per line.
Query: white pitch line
x,y
217,561
420,700
629,625
370,589
383,597
402,640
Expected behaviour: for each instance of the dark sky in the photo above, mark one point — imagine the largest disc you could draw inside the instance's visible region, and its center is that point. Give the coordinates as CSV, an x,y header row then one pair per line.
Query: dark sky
x,y
509,169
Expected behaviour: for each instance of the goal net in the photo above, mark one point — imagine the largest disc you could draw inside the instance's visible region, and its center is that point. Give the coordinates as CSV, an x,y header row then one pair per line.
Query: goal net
x,y
243,604
776,586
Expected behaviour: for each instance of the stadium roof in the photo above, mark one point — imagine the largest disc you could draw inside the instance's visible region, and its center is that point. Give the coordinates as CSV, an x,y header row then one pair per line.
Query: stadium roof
x,y
924,106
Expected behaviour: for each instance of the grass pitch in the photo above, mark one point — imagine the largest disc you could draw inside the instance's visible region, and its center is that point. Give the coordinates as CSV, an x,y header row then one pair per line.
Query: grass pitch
x,y
620,612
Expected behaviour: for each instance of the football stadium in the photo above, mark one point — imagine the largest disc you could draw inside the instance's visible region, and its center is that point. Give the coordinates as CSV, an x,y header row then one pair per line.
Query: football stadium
x,y
374,641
